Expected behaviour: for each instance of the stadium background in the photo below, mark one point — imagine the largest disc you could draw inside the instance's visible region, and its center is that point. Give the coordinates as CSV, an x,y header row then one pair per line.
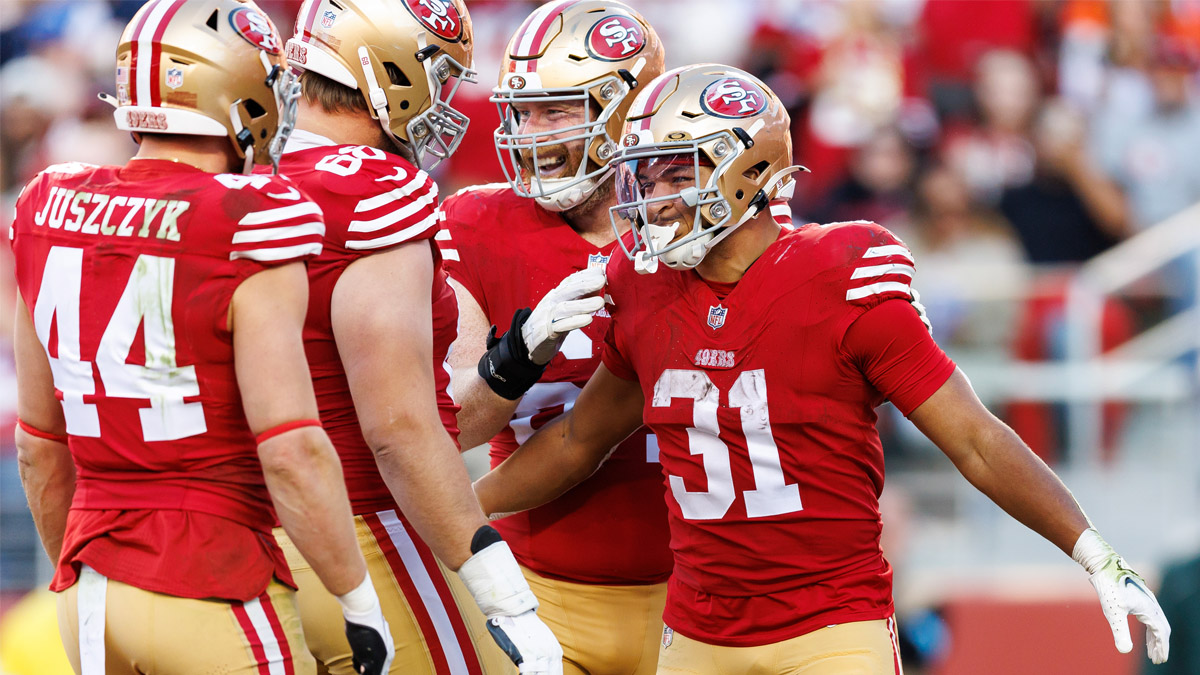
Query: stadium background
x,y
1042,160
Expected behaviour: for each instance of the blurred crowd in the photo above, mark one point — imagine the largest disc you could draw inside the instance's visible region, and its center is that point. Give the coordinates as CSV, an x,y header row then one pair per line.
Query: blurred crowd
x,y
988,134
985,133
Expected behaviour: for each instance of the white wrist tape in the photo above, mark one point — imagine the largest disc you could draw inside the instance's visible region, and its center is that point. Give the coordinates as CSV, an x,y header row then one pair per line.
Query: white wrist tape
x,y
495,581
360,603
1091,550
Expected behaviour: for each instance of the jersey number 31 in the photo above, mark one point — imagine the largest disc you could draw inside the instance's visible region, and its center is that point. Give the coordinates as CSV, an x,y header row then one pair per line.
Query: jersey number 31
x,y
771,495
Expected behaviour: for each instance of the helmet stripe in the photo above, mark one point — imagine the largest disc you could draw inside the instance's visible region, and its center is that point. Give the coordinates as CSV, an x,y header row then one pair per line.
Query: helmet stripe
x,y
147,51
133,54
652,100
534,29
304,31
156,60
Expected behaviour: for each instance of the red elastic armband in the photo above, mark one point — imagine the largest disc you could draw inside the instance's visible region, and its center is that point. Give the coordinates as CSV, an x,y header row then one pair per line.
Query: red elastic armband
x,y
284,428
39,433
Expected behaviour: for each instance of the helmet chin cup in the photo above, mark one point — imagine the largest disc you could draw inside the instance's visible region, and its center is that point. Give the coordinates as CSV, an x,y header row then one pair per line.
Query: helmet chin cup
x,y
565,196
689,255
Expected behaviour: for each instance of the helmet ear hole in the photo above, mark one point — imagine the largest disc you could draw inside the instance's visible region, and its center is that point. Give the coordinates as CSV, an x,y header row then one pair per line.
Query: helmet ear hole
x,y
254,109
396,75
212,20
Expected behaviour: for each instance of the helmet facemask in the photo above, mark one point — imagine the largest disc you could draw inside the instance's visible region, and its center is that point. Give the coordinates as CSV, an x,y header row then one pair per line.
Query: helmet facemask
x,y
669,195
440,130
521,153
285,83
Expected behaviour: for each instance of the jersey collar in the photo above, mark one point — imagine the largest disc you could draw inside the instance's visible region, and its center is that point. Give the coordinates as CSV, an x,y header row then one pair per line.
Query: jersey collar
x,y
303,140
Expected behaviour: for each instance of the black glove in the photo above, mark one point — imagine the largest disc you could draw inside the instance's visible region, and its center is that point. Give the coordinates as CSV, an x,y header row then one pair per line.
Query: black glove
x,y
506,366
370,651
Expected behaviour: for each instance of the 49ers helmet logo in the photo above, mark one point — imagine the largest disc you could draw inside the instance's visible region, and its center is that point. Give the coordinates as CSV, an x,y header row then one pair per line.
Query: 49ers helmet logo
x,y
256,29
733,98
615,38
439,16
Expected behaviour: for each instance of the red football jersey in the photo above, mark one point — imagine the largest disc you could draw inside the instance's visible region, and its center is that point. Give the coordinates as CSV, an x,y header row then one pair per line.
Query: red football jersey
x,y
373,200
128,273
764,410
508,252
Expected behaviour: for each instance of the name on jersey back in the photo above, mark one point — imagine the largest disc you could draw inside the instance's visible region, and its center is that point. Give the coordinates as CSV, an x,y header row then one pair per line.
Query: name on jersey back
x,y
116,215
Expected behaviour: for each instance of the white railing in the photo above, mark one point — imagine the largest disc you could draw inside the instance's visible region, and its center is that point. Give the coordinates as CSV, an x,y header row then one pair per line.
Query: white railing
x,y
1160,361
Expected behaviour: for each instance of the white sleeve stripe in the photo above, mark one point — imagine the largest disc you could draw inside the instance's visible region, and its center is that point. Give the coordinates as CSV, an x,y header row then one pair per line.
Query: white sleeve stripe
x,y
884,251
880,270
275,233
281,213
395,237
372,203
450,254
442,235
280,253
406,211
876,289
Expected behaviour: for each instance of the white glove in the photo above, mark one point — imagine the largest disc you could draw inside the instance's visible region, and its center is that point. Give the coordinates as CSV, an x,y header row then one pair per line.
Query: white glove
x,y
563,310
1122,592
495,581
367,631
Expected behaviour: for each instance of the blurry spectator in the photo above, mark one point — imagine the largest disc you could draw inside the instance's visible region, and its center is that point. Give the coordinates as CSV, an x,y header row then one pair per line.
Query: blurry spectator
x,y
1153,155
1068,211
969,265
995,153
879,186
954,37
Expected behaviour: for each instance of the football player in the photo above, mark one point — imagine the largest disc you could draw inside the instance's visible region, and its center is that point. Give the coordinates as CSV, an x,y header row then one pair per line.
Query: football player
x,y
598,557
757,356
378,87
165,405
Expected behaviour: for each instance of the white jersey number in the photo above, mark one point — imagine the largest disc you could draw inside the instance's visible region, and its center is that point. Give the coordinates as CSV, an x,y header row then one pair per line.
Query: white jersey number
x,y
772,495
146,301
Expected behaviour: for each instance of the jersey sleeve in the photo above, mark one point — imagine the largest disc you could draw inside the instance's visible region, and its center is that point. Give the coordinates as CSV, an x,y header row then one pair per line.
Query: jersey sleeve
x,y
388,202
281,225
895,352
880,266
456,242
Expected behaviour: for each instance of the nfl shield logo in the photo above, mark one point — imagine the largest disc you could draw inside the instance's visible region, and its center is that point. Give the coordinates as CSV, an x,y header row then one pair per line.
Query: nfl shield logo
x,y
716,316
327,19
668,636
174,78
597,260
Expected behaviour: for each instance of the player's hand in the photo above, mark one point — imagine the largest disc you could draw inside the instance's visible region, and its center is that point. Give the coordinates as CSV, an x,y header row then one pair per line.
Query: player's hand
x,y
564,309
494,579
1123,592
367,631
528,642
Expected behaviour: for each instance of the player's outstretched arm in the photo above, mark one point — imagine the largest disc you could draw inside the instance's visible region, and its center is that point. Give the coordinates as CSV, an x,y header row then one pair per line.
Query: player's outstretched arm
x,y
301,467
493,370
995,460
44,462
382,322
567,450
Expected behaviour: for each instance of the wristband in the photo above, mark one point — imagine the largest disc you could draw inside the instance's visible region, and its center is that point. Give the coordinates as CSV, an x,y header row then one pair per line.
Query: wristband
x,y
38,433
284,428
506,366
1091,550
360,601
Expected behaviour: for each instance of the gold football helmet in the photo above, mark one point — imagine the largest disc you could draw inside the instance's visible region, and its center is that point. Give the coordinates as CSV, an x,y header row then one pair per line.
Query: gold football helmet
x,y
207,68
706,148
596,53
426,45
